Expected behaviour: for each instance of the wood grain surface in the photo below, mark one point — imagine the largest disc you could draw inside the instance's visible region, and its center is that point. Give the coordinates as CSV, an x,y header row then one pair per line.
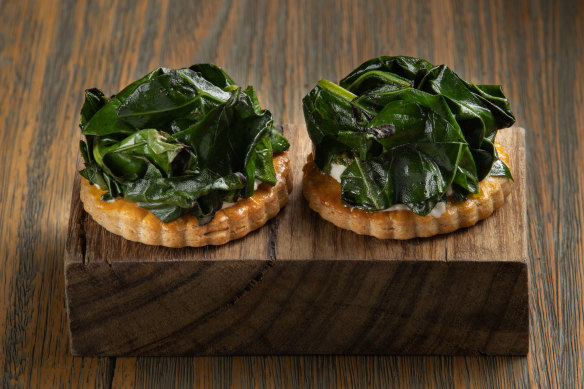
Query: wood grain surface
x,y
50,51
300,285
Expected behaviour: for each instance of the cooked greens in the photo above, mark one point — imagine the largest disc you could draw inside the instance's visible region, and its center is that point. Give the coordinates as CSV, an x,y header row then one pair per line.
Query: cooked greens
x,y
407,131
179,141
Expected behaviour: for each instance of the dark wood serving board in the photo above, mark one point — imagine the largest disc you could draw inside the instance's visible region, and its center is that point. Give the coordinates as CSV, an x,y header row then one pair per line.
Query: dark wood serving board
x,y
300,285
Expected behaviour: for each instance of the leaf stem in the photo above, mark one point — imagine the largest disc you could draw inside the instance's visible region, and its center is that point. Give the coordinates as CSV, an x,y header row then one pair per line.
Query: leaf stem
x,y
387,75
344,94
337,90
367,186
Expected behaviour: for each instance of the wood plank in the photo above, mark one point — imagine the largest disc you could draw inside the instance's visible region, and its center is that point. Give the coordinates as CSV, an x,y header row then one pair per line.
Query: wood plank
x,y
301,285
33,202
533,48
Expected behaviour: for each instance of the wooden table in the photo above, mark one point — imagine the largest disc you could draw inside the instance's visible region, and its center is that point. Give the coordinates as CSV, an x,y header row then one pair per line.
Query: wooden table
x,y
50,51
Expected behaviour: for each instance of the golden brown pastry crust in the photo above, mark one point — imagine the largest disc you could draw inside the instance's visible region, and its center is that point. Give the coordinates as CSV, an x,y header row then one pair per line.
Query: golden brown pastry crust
x,y
324,196
140,225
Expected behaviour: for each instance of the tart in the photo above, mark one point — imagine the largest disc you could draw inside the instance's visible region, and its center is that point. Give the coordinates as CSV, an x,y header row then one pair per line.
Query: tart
x,y
405,149
182,157
323,194
134,223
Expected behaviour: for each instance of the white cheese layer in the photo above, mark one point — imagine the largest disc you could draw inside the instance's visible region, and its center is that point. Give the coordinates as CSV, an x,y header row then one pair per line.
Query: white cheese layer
x,y
227,205
436,212
336,171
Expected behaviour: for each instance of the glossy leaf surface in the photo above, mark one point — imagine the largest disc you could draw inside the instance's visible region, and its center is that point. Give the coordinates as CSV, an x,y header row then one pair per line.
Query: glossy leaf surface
x,y
407,131
179,141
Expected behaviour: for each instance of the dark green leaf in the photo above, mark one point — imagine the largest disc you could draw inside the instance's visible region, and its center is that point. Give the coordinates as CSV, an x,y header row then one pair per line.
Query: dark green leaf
x,y
214,74
493,96
499,169
279,143
130,157
367,184
328,110
179,141
94,101
106,121
404,67
168,197
124,93
375,78
254,100
226,138
263,161
417,177
175,94
422,125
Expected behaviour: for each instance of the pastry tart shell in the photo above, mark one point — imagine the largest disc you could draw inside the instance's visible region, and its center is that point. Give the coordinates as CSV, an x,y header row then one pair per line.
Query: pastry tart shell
x,y
323,194
134,223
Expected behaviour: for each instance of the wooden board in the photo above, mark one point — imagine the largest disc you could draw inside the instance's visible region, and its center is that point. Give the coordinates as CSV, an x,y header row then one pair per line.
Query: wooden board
x,y
51,51
299,285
